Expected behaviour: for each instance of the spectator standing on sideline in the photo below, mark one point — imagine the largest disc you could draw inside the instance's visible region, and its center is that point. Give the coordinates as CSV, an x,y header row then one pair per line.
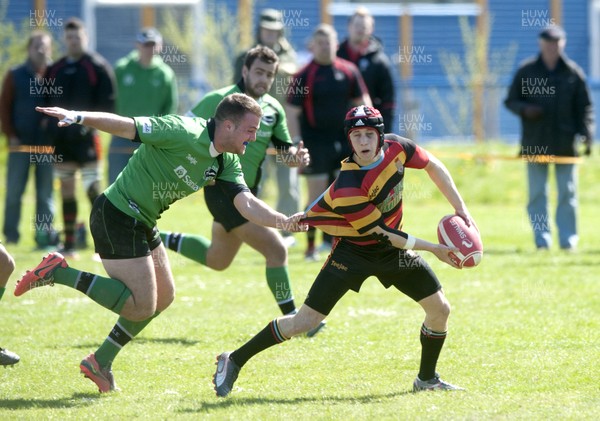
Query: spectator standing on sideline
x,y
86,82
366,52
7,266
146,85
270,33
324,90
22,90
179,156
550,95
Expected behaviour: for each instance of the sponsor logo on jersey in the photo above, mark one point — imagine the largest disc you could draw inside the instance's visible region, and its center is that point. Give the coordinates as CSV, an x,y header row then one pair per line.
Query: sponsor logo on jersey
x,y
338,265
373,193
210,174
146,125
182,173
392,200
128,79
191,159
264,133
133,206
268,119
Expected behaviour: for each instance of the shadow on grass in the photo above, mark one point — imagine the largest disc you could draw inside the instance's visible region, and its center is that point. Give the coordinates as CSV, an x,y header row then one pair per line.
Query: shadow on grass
x,y
220,403
77,400
169,341
533,252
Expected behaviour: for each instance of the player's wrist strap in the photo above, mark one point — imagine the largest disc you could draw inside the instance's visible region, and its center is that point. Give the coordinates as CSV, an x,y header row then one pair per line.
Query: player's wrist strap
x,y
410,242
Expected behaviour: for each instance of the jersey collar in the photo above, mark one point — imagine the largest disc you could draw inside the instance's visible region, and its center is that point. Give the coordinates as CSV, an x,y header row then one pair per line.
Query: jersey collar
x,y
353,164
210,125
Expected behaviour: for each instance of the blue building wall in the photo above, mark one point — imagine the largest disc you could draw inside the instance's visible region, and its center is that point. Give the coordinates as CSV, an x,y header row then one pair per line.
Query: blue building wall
x,y
428,95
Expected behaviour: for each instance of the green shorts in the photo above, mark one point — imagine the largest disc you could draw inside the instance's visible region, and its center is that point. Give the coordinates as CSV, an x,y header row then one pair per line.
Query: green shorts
x,y
118,235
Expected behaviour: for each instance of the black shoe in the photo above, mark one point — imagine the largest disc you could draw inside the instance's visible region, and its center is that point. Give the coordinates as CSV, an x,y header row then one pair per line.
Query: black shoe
x,y
226,374
8,358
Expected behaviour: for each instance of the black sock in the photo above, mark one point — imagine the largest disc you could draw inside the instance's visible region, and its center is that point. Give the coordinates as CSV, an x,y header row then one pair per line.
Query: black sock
x,y
69,216
266,338
431,346
288,308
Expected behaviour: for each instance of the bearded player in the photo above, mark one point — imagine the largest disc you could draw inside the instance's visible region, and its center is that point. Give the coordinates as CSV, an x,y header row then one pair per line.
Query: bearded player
x,y
363,210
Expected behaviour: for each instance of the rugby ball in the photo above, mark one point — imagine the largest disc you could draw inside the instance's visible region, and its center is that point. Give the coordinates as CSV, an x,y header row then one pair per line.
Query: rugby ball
x,y
453,232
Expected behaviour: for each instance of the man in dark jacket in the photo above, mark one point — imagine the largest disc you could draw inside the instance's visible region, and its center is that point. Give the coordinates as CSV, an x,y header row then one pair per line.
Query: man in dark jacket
x,y
23,89
550,95
366,51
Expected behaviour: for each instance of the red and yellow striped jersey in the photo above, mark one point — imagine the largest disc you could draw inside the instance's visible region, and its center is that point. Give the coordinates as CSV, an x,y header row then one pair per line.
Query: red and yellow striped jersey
x,y
362,198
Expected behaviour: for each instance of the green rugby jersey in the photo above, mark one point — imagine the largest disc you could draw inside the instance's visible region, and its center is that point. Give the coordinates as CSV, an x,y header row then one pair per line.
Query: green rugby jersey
x,y
143,91
273,128
176,159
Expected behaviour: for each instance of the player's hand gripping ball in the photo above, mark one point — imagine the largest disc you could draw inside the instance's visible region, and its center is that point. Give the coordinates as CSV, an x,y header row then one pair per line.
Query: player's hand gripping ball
x,y
453,232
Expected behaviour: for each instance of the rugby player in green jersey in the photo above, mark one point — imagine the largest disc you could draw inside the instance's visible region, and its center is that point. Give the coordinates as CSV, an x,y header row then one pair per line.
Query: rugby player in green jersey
x,y
182,153
230,229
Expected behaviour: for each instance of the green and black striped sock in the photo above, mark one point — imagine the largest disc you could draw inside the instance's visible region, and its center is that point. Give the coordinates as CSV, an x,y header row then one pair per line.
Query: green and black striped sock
x,y
108,292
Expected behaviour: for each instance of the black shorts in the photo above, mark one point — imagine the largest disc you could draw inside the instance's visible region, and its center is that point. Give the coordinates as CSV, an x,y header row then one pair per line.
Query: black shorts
x,y
118,235
326,149
80,147
349,265
222,208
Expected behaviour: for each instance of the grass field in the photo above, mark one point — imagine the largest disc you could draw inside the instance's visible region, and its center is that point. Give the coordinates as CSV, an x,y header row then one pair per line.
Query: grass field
x,y
523,337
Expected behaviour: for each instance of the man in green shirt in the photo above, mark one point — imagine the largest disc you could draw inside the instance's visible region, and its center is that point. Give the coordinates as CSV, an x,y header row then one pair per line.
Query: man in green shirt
x,y
230,229
178,157
147,86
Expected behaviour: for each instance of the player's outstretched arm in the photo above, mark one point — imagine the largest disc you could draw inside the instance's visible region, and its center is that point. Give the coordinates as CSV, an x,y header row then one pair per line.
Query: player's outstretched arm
x,y
440,175
399,240
257,211
107,122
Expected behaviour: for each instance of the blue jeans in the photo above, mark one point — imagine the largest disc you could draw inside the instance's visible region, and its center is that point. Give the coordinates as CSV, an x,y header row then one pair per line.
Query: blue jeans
x,y
566,209
17,175
119,152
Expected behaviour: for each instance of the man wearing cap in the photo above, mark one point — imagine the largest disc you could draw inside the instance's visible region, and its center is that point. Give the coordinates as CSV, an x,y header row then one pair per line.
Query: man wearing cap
x,y
550,95
270,33
147,86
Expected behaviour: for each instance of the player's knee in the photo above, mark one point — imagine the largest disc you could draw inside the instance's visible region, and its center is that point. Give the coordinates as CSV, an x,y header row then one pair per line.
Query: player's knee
x,y
218,264
443,310
277,255
217,259
141,313
166,299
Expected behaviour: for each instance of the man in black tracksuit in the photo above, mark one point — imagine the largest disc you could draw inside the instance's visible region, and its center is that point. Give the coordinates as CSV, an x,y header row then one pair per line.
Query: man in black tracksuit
x,y
82,81
366,51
